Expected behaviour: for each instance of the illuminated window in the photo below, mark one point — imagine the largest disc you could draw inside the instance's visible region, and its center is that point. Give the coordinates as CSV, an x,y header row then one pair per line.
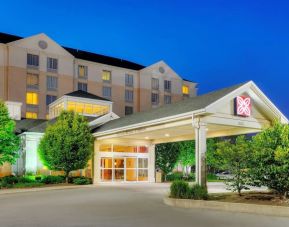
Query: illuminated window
x,y
185,90
105,148
106,76
31,98
32,80
82,71
88,109
31,115
127,149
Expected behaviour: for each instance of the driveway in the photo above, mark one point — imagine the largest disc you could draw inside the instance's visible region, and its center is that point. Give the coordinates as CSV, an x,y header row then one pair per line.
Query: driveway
x,y
120,205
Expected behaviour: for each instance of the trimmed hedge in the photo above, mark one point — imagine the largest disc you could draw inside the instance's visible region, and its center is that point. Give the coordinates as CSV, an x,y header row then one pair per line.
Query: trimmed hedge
x,y
53,180
82,181
180,189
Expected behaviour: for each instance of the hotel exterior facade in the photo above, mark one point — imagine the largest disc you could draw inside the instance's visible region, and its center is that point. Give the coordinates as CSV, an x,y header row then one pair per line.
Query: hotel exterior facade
x,y
35,71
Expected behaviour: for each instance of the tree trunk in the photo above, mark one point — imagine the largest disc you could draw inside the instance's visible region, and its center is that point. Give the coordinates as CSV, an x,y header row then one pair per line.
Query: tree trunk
x,y
66,177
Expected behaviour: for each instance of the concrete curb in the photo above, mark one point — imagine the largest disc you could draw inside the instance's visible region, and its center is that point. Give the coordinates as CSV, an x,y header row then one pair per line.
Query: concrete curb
x,y
279,211
41,189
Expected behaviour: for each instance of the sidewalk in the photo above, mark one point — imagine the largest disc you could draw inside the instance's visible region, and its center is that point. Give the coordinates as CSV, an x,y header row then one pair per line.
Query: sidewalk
x,y
40,189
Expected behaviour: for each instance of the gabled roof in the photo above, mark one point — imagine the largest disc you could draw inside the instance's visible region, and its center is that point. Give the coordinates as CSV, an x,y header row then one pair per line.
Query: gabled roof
x,y
182,107
84,55
25,124
83,94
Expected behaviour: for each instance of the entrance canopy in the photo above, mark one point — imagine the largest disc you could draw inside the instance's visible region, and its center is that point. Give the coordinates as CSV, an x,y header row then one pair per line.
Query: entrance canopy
x,y
240,109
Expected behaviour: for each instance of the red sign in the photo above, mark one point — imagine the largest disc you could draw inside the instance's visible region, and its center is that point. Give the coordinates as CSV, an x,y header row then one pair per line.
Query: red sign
x,y
243,106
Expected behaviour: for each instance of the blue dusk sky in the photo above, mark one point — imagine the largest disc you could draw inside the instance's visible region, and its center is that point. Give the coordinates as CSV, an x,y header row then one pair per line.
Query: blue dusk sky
x,y
216,43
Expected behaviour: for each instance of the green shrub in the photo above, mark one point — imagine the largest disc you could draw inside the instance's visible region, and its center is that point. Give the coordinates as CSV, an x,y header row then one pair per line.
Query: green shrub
x,y
52,180
174,176
82,180
198,192
9,180
27,185
25,180
179,189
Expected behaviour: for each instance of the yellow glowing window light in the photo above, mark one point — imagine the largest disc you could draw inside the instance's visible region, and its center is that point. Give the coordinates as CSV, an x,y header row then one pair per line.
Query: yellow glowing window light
x,y
88,109
185,90
106,75
31,115
32,98
79,107
71,106
81,70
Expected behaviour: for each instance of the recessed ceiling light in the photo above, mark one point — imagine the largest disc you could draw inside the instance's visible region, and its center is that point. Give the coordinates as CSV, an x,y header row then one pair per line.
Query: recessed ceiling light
x,y
167,135
146,137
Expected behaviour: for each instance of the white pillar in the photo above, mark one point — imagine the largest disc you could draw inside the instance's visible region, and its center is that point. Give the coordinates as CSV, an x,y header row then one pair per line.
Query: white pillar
x,y
201,148
151,164
96,163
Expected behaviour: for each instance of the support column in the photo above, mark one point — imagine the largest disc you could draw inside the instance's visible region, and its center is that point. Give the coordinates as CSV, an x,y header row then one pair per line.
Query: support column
x,y
151,164
96,163
201,148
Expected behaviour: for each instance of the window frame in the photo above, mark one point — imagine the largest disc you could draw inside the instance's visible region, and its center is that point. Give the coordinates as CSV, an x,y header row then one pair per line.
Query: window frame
x,y
129,80
81,85
51,80
103,76
155,83
52,62
32,60
168,86
85,68
103,92
157,100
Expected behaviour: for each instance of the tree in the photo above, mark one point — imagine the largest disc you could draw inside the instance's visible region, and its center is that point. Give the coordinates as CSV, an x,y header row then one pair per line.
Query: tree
x,y
9,142
187,155
234,156
211,157
66,145
270,159
166,157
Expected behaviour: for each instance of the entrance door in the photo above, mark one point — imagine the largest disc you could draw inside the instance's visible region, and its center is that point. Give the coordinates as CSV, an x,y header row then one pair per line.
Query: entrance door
x,y
131,169
119,169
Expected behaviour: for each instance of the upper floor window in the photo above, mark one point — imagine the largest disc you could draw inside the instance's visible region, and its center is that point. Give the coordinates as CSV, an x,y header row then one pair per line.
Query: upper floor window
x,y
82,71
32,60
128,96
155,84
168,85
185,90
106,92
168,99
128,110
82,87
129,80
52,64
106,76
31,115
51,83
50,99
31,98
155,98
32,80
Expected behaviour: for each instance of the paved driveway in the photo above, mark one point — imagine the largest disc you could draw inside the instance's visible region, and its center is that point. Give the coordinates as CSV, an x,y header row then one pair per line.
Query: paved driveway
x,y
115,206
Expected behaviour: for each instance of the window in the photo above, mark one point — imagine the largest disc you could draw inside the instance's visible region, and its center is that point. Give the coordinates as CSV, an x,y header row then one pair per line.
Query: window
x,y
168,85
52,64
155,84
32,80
128,96
51,83
128,80
31,115
106,76
168,99
31,98
82,86
32,60
106,92
82,71
185,90
128,110
50,99
155,98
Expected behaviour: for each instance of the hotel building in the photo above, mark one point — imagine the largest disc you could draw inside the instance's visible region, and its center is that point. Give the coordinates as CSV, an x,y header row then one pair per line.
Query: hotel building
x,y
35,71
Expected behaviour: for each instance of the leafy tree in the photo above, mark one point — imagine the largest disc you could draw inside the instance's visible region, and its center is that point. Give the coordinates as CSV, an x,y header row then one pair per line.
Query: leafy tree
x,y
211,158
9,142
66,145
166,157
270,159
187,155
234,157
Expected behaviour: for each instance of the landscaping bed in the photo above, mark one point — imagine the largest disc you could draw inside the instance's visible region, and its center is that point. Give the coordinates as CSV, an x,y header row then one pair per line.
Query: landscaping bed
x,y
259,198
